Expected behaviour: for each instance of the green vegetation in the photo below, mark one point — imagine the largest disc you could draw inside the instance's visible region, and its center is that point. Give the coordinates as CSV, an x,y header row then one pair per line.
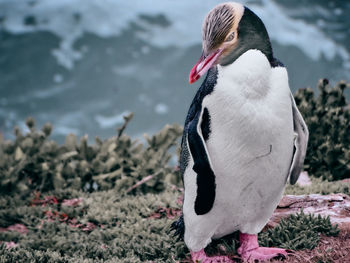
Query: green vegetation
x,y
105,227
319,186
114,200
298,232
328,119
34,162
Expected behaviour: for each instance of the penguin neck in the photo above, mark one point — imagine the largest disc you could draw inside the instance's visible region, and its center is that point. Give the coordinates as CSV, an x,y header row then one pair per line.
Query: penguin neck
x,y
248,75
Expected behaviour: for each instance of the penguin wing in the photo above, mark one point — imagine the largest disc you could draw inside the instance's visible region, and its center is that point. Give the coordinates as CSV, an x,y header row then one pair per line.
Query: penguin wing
x,y
202,164
300,143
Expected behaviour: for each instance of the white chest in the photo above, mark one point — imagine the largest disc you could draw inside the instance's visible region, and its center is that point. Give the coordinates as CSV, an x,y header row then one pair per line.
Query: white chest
x,y
250,110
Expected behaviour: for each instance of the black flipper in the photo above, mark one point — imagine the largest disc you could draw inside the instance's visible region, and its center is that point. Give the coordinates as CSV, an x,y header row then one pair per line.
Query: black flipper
x,y
206,88
205,175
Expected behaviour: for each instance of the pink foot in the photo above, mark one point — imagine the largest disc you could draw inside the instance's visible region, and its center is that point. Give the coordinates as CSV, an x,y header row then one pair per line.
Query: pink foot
x,y
250,250
201,257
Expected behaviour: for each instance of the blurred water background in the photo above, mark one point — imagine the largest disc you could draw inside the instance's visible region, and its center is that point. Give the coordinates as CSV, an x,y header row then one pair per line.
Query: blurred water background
x,y
83,64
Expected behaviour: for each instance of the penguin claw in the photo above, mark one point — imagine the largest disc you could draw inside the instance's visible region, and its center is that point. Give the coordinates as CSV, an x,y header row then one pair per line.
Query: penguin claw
x,y
263,253
201,257
250,250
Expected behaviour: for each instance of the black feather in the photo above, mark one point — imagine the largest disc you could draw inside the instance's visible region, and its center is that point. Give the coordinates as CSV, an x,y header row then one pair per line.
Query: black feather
x,y
206,88
179,227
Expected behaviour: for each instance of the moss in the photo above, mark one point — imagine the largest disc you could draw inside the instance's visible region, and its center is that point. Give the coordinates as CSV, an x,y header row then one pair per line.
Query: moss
x,y
328,119
123,230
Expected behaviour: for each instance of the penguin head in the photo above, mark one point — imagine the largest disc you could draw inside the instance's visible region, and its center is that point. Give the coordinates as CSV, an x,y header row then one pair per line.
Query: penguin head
x,y
229,30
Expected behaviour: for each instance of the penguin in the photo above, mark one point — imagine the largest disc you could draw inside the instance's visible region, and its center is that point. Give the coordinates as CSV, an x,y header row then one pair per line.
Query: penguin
x,y
243,138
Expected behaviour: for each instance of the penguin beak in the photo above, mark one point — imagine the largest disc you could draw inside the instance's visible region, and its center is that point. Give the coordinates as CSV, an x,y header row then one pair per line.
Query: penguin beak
x,y
203,65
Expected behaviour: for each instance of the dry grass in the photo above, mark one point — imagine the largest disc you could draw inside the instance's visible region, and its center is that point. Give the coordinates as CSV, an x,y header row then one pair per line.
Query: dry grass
x,y
330,249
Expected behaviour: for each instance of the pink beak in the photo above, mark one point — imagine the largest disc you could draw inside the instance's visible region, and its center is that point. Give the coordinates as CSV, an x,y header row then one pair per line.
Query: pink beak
x,y
203,65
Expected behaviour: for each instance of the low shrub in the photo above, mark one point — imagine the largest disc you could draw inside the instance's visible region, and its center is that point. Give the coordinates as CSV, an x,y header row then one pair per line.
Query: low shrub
x,y
297,232
328,119
34,162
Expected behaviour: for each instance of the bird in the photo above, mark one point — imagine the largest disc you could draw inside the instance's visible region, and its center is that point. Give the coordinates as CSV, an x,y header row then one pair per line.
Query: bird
x,y
243,138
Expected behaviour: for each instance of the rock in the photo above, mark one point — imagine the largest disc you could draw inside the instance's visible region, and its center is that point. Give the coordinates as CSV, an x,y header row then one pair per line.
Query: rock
x,y
10,245
20,228
72,202
336,206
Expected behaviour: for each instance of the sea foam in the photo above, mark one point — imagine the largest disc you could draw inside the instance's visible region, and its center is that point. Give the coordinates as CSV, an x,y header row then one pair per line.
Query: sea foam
x,y
70,19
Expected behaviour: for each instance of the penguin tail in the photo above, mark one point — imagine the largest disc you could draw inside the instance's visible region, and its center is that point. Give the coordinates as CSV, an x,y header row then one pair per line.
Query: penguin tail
x,y
179,227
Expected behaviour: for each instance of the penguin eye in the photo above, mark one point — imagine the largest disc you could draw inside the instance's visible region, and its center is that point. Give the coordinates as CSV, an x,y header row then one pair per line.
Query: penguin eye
x,y
230,37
